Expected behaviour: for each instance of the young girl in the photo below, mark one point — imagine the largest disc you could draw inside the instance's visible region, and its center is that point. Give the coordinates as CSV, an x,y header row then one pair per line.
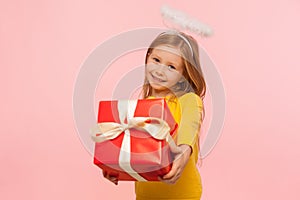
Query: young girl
x,y
173,72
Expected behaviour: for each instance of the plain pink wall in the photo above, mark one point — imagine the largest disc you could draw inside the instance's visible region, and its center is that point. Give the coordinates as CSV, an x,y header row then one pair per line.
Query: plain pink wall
x,y
43,44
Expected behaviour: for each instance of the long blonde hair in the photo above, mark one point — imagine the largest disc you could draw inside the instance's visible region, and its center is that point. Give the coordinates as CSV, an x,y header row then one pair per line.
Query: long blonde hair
x,y
194,79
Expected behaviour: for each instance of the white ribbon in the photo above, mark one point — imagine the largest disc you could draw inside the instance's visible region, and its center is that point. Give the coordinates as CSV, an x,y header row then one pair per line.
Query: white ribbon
x,y
156,127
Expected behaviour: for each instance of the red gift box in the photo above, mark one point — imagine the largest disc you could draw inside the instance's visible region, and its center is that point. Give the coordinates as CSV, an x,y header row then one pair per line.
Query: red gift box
x,y
134,139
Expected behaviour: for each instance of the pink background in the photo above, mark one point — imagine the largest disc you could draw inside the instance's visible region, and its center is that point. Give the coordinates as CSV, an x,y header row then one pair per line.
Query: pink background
x,y
43,44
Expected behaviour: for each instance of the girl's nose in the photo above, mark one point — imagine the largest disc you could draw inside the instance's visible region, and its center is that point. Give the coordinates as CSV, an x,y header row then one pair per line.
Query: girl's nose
x,y
159,73
160,69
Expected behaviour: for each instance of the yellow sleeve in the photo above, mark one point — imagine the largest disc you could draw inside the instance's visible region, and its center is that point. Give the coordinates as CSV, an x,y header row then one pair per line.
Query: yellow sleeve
x,y
191,117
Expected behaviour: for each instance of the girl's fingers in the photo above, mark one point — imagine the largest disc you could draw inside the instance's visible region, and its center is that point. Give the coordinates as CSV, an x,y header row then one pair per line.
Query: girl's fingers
x,y
171,174
174,170
110,178
113,179
169,181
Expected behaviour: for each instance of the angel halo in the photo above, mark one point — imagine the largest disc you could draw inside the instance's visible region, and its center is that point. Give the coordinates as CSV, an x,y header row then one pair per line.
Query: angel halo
x,y
183,22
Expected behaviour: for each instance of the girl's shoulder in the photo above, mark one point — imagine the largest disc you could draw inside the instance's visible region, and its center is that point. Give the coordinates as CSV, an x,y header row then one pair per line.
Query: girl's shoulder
x,y
190,101
190,98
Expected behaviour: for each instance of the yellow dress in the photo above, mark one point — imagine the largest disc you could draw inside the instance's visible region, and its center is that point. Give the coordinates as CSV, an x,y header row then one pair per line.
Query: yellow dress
x,y
186,111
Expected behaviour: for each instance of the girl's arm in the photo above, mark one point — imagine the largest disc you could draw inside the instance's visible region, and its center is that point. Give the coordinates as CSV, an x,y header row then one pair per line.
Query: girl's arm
x,y
178,164
191,118
191,108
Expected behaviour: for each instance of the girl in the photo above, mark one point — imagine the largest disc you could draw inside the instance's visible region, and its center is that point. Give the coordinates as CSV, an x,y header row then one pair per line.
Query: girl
x,y
173,72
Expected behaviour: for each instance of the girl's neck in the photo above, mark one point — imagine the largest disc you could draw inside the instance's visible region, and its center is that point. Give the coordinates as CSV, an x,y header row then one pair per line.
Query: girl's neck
x,y
160,94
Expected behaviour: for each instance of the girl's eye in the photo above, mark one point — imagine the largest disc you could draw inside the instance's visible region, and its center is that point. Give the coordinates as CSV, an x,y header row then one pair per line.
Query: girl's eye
x,y
171,67
156,59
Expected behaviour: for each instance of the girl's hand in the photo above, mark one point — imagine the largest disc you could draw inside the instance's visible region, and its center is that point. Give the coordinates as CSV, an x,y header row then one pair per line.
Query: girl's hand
x,y
111,178
181,159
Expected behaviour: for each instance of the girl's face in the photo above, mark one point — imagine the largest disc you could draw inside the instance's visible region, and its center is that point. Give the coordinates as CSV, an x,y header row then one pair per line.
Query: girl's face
x,y
164,69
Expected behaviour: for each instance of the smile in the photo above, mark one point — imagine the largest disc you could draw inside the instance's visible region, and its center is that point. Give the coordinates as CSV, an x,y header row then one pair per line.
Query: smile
x,y
157,79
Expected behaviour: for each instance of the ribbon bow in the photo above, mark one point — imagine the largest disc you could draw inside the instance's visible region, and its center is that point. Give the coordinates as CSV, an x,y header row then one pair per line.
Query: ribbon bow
x,y
156,127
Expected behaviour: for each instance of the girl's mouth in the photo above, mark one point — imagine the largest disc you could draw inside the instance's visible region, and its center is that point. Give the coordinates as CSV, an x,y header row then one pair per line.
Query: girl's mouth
x,y
157,79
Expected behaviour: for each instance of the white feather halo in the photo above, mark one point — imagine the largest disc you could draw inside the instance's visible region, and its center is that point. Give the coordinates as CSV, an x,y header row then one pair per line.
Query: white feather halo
x,y
185,22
